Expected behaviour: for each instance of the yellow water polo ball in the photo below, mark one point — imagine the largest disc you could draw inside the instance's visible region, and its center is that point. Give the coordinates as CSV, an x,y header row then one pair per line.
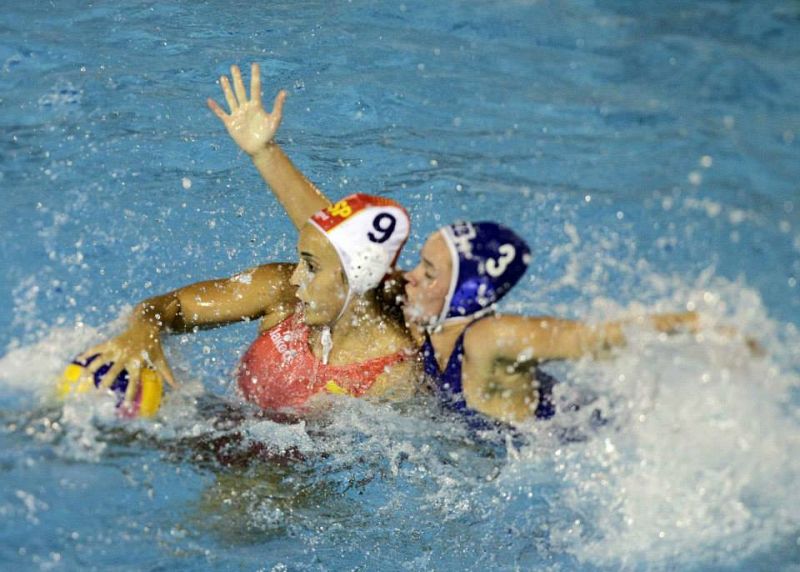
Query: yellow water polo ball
x,y
148,395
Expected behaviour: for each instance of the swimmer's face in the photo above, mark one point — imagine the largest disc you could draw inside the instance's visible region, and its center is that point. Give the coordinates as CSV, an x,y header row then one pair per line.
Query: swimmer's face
x,y
427,284
319,277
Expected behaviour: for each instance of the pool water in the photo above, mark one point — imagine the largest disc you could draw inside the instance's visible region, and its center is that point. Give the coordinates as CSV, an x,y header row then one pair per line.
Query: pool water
x,y
649,153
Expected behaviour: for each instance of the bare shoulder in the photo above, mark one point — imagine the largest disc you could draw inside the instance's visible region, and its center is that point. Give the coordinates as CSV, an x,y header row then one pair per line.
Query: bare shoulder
x,y
400,380
387,336
481,338
271,281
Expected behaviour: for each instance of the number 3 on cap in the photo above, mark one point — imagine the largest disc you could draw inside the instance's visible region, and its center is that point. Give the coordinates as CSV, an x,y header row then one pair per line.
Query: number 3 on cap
x,y
495,268
384,223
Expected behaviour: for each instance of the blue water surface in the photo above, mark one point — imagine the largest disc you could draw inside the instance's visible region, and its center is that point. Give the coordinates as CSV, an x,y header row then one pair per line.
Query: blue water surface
x,y
648,151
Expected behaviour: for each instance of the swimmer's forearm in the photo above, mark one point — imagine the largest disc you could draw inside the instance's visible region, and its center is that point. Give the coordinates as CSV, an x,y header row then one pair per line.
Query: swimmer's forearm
x,y
188,309
569,339
676,322
522,338
611,335
299,197
213,303
596,339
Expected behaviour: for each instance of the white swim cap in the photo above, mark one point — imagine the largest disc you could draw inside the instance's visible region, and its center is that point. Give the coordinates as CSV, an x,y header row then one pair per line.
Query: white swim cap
x,y
367,233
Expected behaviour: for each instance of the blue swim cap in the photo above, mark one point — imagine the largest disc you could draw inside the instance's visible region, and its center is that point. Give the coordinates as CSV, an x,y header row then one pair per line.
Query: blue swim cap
x,y
488,259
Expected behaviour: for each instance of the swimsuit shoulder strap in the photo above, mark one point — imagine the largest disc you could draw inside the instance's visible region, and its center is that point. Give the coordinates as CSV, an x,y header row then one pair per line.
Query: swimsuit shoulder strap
x,y
449,378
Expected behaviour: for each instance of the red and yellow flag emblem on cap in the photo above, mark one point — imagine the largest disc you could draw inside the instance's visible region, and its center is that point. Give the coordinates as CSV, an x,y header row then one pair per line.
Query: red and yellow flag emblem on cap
x,y
329,218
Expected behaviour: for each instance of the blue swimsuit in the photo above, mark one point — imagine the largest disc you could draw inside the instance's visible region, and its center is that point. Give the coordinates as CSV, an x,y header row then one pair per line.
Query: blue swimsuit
x,y
449,388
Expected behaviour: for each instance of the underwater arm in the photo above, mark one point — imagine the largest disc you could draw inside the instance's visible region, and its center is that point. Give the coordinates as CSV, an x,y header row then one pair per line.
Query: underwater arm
x,y
253,129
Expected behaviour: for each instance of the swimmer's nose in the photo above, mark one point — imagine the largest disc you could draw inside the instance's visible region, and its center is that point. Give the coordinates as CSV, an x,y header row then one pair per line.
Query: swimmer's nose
x,y
295,279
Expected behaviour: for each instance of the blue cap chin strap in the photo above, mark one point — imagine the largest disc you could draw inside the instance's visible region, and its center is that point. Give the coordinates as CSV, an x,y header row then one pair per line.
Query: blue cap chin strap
x,y
488,260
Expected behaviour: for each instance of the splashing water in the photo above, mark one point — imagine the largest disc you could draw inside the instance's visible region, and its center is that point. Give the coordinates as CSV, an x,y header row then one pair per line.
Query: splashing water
x,y
695,460
647,153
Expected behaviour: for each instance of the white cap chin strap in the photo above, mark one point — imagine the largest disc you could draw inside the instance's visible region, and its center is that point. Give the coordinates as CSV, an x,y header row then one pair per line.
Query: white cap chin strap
x,y
451,248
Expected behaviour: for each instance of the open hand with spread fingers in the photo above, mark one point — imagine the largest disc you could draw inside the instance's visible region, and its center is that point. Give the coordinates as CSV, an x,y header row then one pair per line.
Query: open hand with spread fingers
x,y
247,122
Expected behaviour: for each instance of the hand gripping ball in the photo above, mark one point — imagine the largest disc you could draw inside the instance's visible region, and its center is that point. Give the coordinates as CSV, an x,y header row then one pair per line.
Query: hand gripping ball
x,y
144,404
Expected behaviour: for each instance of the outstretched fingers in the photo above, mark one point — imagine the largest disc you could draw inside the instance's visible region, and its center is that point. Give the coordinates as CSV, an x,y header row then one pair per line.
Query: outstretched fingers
x,y
233,105
218,111
238,85
162,367
90,357
134,371
277,106
112,374
255,83
94,359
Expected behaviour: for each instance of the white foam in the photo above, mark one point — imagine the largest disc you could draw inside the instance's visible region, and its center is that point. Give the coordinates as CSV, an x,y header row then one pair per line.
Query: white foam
x,y
701,457
36,367
280,437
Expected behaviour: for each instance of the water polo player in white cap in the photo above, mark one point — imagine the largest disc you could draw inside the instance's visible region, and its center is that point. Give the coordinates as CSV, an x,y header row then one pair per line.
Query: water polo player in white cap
x,y
479,361
322,327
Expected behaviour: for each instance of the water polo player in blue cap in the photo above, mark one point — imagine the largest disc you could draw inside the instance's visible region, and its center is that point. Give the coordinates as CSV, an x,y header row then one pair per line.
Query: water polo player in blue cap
x,y
486,260
488,362
481,361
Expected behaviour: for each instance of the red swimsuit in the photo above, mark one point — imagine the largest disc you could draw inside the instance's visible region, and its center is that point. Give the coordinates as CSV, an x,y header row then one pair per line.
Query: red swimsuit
x,y
279,370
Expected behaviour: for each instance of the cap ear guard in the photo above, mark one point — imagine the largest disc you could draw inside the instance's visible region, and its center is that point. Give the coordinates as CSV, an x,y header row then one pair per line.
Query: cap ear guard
x,y
367,268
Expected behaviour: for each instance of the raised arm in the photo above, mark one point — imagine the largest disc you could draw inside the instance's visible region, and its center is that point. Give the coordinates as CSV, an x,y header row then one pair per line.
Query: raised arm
x,y
208,304
253,130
